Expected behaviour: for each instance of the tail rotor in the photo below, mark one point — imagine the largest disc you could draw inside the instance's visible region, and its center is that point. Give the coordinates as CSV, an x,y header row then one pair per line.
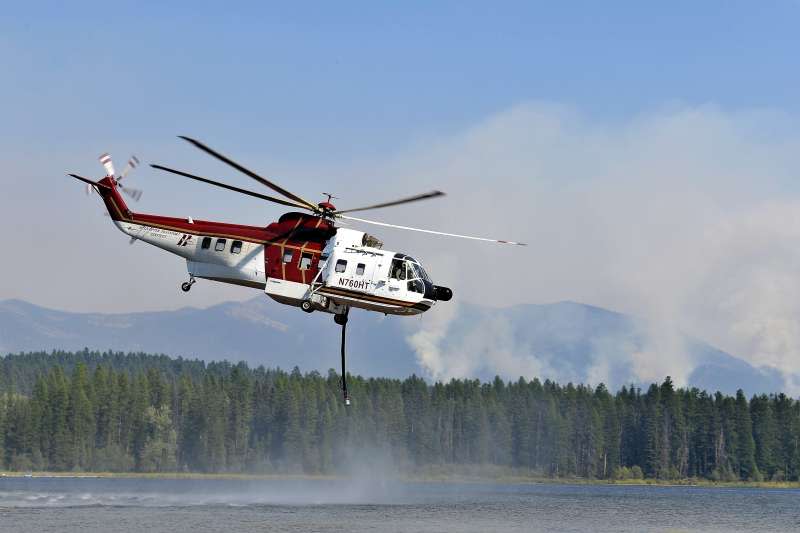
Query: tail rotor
x,y
108,164
133,162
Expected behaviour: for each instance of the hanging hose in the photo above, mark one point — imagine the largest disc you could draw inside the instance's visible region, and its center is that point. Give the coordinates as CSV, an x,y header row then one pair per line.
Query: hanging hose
x,y
344,368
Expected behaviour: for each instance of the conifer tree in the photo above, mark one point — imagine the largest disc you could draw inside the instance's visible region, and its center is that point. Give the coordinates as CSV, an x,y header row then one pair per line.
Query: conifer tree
x,y
745,445
109,411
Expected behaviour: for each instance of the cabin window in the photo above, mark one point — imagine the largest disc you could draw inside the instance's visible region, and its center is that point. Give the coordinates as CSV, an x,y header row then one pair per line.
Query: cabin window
x,y
305,261
206,244
341,266
220,245
287,256
416,285
236,247
360,269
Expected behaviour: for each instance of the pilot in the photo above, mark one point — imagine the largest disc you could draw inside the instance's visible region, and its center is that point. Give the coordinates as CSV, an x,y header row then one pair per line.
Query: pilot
x,y
399,271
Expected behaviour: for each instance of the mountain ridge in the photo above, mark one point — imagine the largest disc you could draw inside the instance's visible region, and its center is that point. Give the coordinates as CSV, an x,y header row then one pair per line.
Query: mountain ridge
x,y
565,341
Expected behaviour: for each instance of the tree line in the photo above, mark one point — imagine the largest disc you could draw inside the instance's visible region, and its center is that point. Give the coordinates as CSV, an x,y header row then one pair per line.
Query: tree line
x,y
90,411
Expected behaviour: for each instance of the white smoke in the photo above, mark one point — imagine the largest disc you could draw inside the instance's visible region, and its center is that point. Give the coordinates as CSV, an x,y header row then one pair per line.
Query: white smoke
x,y
688,217
488,348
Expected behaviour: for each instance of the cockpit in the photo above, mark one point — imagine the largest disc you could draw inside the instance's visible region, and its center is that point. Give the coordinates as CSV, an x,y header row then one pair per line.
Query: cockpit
x,y
407,269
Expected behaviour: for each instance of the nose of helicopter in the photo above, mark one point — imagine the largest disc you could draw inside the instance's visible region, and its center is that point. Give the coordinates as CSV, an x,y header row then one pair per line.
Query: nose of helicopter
x,y
437,292
442,294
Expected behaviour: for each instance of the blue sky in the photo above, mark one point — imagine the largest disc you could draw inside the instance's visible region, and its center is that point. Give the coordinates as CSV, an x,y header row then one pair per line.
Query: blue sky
x,y
335,80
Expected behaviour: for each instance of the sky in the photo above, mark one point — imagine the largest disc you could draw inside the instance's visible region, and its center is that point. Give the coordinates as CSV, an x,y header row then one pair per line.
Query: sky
x,y
647,152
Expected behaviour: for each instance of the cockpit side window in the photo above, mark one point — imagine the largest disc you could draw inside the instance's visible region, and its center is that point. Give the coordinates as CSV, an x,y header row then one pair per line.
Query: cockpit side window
x,y
398,269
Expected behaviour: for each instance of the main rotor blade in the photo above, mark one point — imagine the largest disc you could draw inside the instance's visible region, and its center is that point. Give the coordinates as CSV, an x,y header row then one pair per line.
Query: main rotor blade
x,y
427,195
250,173
431,231
231,187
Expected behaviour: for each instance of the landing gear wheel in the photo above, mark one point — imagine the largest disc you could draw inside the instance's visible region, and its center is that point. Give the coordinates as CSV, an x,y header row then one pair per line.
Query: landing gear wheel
x,y
307,307
186,286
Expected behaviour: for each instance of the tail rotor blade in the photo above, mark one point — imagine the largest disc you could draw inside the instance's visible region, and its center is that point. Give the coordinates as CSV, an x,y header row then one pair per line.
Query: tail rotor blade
x,y
133,162
135,194
105,159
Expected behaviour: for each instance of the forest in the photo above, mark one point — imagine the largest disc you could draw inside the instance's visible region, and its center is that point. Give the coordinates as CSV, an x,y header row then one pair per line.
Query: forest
x,y
114,412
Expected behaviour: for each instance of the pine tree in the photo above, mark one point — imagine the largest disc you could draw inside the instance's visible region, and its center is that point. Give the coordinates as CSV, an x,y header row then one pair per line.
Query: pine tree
x,y
293,441
160,447
3,417
239,417
80,418
60,454
653,433
745,445
610,452
764,435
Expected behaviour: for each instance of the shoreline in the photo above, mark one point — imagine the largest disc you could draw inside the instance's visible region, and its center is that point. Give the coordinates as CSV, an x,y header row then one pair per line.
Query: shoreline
x,y
420,478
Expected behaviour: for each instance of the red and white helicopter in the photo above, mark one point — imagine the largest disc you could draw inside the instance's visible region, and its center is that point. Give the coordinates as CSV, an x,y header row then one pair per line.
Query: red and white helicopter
x,y
303,259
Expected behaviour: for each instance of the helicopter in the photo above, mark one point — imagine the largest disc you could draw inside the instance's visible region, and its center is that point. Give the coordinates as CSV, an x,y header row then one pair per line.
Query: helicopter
x,y
304,259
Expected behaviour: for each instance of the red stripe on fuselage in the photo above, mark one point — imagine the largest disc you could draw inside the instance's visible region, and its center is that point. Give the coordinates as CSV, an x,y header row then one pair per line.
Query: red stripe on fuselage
x,y
271,234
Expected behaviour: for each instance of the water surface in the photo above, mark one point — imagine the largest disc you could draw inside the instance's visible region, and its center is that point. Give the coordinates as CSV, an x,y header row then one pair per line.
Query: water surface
x,y
156,505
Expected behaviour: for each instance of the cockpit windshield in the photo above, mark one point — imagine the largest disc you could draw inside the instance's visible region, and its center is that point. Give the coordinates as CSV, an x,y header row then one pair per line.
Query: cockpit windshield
x,y
417,269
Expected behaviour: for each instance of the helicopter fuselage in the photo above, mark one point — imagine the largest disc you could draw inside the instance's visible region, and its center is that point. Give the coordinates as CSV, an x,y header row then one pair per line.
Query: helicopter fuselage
x,y
301,260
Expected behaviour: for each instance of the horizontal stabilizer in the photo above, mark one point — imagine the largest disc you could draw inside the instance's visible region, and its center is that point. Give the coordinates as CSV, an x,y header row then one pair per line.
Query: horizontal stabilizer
x,y
88,181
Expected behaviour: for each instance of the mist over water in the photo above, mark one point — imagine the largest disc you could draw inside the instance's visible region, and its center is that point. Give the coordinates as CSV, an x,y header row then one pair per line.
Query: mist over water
x,y
87,492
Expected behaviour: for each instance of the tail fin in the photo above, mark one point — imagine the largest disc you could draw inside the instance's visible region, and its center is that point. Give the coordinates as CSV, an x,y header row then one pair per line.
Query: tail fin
x,y
107,188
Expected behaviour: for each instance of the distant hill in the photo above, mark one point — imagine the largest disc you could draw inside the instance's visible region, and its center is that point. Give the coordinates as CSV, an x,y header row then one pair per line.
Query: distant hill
x,y
569,339
258,331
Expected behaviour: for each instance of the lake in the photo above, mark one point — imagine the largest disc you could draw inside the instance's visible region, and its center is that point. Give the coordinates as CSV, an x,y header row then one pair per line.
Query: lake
x,y
156,505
